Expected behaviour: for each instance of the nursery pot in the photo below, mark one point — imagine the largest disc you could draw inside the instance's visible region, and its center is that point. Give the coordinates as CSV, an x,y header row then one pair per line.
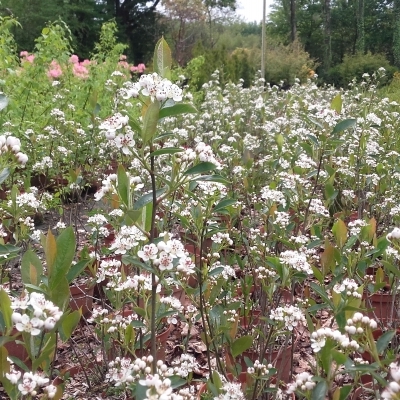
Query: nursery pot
x,y
161,342
81,298
18,350
383,307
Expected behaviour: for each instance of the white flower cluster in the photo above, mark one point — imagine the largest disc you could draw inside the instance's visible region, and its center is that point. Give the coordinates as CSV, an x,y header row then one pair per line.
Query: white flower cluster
x,y
45,313
154,86
108,268
264,273
349,287
290,315
123,370
26,199
282,219
318,208
393,389
259,368
42,165
231,391
30,382
164,253
11,144
274,196
185,365
355,226
135,282
302,382
296,260
205,153
222,238
319,337
126,239
357,324
111,125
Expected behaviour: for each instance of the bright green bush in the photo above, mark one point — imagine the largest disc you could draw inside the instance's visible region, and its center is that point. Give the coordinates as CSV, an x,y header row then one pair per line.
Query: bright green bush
x,y
354,66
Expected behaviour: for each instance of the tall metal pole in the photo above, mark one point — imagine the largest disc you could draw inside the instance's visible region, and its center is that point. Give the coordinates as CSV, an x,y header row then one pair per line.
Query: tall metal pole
x,y
263,40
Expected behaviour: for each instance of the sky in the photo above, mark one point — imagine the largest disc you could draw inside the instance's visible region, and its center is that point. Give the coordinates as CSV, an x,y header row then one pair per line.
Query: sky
x,y
251,10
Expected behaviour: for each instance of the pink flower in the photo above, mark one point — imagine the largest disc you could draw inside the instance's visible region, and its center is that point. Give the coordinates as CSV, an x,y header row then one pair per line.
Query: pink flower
x,y
80,71
134,69
86,62
74,59
55,70
23,54
123,64
30,58
122,57
141,67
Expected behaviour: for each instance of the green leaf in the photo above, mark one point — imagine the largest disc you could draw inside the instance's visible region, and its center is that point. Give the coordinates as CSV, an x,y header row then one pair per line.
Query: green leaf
x,y
339,230
223,204
345,391
241,345
162,60
317,289
316,122
150,121
205,166
5,309
383,342
337,103
76,270
4,174
123,185
3,101
166,150
31,268
65,245
343,125
320,391
217,381
177,109
69,323
147,198
216,271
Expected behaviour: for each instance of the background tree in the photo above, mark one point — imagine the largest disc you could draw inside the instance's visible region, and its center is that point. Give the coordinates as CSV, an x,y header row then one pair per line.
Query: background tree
x,y
396,33
360,43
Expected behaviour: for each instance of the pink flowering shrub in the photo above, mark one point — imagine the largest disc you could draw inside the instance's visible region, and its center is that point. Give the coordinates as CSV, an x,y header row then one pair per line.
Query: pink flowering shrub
x,y
140,68
55,70
25,56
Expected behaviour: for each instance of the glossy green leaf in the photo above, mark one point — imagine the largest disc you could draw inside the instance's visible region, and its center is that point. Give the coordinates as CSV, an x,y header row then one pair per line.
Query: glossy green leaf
x,y
223,204
336,103
339,231
384,340
177,109
31,268
162,60
320,390
6,310
200,168
166,150
123,185
76,270
150,121
343,125
69,323
65,245
345,391
4,174
147,198
241,344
